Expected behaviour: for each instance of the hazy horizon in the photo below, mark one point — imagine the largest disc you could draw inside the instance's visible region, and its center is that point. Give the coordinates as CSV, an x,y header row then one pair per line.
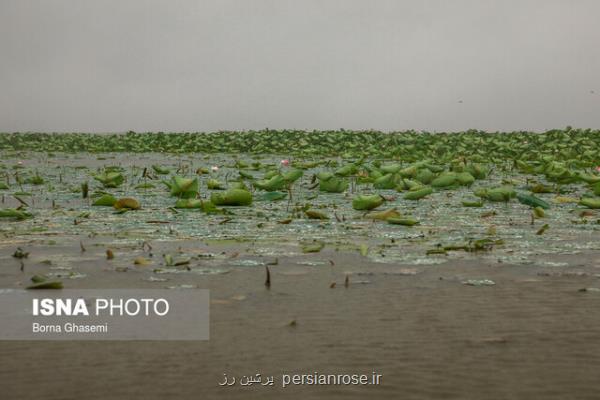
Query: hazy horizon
x,y
187,66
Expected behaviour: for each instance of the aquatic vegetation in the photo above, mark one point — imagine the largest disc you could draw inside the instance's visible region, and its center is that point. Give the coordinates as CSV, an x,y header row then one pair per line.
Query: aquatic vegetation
x,y
214,184
313,214
532,201
189,203
12,213
590,203
232,197
332,184
42,282
110,179
388,181
293,175
142,261
105,200
425,176
419,193
543,229
539,212
35,180
274,183
367,202
530,151
384,215
273,196
313,247
445,180
402,221
20,253
347,170
500,194
127,203
183,187
472,203
452,188
161,170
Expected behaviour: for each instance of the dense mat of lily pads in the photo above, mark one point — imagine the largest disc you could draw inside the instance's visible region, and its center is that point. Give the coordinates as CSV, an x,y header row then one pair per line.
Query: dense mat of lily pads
x,y
399,197
558,145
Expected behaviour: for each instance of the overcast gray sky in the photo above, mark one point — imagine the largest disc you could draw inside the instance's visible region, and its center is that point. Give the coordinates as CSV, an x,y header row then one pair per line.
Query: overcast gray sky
x,y
205,65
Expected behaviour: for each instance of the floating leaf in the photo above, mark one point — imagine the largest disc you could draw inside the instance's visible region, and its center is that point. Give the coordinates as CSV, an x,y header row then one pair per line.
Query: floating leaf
x,y
293,175
532,201
214,184
402,221
332,184
273,196
418,194
313,214
110,179
181,187
364,250
188,203
161,170
384,215
501,194
35,180
367,202
542,229
347,170
272,184
472,203
144,186
445,180
232,197
11,213
590,203
388,181
106,200
313,247
539,212
46,285
141,261
127,203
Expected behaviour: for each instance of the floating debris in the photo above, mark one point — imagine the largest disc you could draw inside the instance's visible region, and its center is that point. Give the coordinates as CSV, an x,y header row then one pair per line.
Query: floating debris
x,y
543,229
479,282
141,261
268,277
589,289
19,253
312,214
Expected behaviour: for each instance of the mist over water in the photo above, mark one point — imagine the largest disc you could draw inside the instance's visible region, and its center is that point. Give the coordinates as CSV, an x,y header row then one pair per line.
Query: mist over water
x,y
390,65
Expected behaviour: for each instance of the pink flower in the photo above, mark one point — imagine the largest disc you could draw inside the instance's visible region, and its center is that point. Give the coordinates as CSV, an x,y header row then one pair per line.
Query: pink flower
x,y
285,162
598,168
214,168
